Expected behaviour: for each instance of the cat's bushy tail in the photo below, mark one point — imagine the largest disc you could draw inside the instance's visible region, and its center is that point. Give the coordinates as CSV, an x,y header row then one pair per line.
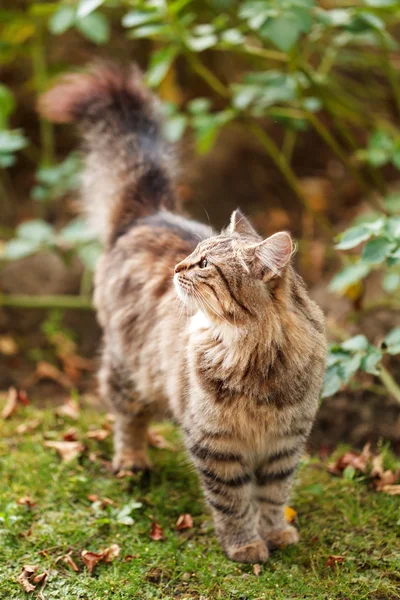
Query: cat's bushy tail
x,y
128,165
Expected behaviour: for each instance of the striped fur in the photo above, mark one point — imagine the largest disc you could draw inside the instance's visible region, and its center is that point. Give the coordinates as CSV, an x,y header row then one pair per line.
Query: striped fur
x,y
216,330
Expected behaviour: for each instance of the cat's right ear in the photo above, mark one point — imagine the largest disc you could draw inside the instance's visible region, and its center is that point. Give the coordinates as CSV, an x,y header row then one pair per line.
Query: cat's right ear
x,y
271,256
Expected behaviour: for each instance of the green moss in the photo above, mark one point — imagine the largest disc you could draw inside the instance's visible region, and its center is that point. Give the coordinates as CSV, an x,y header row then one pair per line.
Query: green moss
x,y
336,517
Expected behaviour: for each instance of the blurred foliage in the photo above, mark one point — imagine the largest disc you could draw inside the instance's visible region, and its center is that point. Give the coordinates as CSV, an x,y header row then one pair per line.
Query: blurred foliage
x,y
330,67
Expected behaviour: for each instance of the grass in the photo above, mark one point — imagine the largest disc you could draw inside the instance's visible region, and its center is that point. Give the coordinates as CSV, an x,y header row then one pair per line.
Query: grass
x,y
335,517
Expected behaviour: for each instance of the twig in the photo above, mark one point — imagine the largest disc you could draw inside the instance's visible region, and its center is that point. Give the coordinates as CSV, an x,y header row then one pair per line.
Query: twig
x,y
63,302
390,384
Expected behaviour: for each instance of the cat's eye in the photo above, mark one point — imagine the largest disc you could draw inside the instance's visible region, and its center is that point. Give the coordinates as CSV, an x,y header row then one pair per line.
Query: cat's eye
x,y
203,263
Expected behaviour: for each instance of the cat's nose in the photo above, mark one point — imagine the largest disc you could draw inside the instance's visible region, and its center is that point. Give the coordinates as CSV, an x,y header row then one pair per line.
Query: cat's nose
x,y
180,267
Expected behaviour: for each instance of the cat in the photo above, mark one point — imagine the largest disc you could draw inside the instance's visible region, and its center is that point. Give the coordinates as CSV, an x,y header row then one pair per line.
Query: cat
x,y
215,329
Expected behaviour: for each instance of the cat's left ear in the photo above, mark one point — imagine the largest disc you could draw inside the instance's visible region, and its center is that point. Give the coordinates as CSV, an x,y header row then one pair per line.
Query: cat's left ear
x,y
272,255
240,224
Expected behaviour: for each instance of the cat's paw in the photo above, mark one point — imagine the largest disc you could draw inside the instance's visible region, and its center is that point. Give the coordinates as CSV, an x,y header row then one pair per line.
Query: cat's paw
x,y
136,461
279,538
254,552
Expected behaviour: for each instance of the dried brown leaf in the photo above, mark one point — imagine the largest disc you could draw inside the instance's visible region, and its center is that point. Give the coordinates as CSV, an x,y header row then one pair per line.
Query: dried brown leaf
x,y
70,435
69,409
392,490
257,569
45,370
41,578
8,345
112,552
11,403
70,562
28,427
334,560
107,555
26,501
158,441
24,577
67,450
184,521
98,434
91,559
156,533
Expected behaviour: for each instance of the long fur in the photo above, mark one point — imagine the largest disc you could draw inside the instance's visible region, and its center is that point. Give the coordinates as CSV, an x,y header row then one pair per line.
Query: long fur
x,y
128,166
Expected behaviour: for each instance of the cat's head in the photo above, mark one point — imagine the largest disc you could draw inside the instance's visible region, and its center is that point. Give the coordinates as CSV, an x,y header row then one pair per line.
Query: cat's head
x,y
232,277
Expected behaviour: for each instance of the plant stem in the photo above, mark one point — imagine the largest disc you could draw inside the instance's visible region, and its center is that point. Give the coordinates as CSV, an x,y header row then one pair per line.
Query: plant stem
x,y
63,302
390,384
40,79
207,75
286,170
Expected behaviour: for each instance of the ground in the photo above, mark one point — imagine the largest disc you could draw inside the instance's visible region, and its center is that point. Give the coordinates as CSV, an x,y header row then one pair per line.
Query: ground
x,y
337,517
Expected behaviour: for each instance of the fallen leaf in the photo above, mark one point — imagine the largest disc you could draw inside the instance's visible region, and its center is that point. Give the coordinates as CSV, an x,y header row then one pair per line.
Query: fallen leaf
x,y
333,560
69,409
98,434
103,502
107,555
290,514
392,490
26,501
70,562
129,557
124,473
41,577
112,552
73,365
156,533
28,427
91,559
24,578
185,521
14,398
67,450
45,370
158,441
356,460
257,569
70,435
8,346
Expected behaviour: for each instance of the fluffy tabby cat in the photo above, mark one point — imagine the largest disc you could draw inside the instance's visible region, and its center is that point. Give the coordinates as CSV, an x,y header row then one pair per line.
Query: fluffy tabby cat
x,y
241,366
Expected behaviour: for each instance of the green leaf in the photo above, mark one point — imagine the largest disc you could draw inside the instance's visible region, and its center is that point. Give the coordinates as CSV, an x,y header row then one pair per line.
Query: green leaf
x,y
356,343
315,489
77,232
371,360
160,63
393,227
11,141
199,106
350,366
19,248
7,105
283,31
349,276
332,383
391,342
232,37
62,20
95,28
90,254
175,127
353,236
391,282
349,473
85,7
201,43
380,148
138,17
36,230
376,251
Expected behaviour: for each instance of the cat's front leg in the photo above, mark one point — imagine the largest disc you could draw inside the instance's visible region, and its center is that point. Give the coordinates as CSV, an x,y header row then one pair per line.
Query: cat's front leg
x,y
227,486
274,479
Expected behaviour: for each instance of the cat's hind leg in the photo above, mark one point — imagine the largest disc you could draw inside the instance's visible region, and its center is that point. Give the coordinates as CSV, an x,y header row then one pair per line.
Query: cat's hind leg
x,y
132,417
